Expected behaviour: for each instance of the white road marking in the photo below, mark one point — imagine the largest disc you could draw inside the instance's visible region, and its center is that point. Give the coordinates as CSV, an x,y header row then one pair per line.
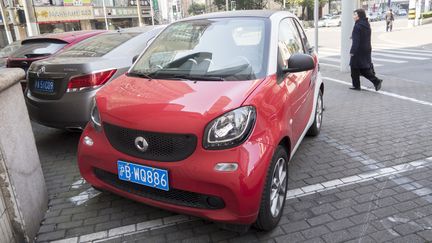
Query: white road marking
x,y
383,92
356,179
329,65
398,56
84,196
404,52
387,60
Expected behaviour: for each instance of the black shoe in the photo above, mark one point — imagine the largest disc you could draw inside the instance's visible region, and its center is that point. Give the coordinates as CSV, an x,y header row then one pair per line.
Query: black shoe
x,y
354,88
378,86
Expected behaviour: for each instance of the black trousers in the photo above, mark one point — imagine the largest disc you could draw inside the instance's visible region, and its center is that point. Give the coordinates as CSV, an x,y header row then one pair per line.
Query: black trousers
x,y
365,72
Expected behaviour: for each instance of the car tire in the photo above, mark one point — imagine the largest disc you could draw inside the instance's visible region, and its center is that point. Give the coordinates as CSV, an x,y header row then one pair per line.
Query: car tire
x,y
269,217
315,128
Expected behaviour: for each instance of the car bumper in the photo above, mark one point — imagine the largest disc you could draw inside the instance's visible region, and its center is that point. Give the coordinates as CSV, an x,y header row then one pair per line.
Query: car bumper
x,y
239,190
72,111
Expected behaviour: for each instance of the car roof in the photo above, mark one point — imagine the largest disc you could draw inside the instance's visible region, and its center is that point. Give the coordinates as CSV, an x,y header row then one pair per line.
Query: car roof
x,y
241,13
67,37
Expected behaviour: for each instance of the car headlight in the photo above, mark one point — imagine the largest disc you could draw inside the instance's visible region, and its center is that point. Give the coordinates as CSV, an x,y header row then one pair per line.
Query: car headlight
x,y
231,129
95,117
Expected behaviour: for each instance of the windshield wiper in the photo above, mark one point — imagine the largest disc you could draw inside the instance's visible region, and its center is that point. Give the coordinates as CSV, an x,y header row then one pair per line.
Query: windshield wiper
x,y
200,77
140,75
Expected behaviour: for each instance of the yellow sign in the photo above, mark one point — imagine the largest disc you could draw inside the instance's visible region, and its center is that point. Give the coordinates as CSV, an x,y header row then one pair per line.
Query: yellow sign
x,y
51,14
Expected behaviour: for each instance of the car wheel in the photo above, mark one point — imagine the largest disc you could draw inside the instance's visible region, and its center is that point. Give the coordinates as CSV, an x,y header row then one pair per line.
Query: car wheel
x,y
274,193
314,130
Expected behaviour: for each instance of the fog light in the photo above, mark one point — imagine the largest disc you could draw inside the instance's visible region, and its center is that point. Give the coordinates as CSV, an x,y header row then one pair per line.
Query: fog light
x,y
88,141
226,167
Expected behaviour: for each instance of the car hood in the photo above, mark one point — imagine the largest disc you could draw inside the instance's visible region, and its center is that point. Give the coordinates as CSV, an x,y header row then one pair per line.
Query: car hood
x,y
169,105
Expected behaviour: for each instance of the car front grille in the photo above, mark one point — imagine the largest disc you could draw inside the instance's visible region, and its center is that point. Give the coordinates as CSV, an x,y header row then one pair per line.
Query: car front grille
x,y
173,196
164,147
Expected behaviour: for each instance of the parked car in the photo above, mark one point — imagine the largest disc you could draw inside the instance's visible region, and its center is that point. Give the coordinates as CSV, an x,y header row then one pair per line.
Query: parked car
x,y
207,118
322,21
61,88
333,21
402,12
374,16
6,51
44,46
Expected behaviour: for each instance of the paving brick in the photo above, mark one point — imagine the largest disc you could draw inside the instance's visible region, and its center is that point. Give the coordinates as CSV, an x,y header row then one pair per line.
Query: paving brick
x,y
121,230
409,239
222,235
80,231
153,239
97,220
51,236
339,224
47,228
292,238
295,226
69,225
57,220
315,232
342,213
409,228
385,212
245,239
107,225
197,239
322,209
338,236
320,220
384,235
93,236
315,240
270,235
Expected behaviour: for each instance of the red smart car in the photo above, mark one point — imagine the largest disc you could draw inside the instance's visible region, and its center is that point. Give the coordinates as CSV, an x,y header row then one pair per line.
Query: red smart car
x,y
207,118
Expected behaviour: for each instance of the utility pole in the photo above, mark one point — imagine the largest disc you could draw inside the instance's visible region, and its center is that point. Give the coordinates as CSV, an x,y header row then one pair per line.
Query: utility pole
x,y
226,5
105,14
31,25
11,10
140,23
348,6
316,6
151,11
5,23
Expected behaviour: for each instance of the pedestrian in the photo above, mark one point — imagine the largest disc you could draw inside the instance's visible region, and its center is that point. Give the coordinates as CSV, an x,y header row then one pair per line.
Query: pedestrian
x,y
389,20
361,49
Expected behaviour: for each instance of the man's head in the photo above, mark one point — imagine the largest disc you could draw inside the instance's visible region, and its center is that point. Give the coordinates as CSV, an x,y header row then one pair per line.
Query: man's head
x,y
391,10
359,14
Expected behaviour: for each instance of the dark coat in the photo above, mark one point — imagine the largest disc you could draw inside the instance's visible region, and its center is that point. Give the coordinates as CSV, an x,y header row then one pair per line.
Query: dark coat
x,y
361,48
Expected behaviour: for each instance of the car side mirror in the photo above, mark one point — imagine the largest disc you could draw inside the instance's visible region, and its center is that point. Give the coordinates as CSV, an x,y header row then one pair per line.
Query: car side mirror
x,y
134,59
299,63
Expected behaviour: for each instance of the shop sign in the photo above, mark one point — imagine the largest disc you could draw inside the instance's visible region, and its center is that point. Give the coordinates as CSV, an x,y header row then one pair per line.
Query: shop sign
x,y
77,2
115,12
47,14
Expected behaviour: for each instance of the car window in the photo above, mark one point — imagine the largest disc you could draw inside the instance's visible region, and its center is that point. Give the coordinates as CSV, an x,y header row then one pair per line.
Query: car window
x,y
97,46
38,48
228,48
289,41
302,36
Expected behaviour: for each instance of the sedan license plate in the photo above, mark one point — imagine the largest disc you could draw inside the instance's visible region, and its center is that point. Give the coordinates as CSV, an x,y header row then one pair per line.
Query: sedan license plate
x,y
45,86
144,175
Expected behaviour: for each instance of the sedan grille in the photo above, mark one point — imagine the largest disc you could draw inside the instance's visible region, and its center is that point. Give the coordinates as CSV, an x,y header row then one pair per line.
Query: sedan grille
x,y
164,147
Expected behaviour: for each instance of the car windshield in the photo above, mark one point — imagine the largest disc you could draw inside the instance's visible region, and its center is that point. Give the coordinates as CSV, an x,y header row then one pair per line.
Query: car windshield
x,y
9,49
208,49
97,46
38,48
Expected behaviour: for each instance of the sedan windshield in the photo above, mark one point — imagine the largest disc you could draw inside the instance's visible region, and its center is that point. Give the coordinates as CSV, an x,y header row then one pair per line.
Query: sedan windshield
x,y
209,49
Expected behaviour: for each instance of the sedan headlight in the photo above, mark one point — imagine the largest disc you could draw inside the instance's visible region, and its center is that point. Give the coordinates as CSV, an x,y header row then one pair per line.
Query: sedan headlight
x,y
230,129
95,117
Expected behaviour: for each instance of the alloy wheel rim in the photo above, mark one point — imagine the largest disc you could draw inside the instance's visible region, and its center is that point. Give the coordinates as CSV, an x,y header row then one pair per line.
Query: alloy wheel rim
x,y
278,187
319,112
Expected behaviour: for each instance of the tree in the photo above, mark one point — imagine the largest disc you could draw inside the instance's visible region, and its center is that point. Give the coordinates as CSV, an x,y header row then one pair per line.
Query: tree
x,y
196,9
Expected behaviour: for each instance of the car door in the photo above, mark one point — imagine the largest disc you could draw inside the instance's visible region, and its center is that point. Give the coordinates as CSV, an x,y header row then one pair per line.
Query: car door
x,y
298,84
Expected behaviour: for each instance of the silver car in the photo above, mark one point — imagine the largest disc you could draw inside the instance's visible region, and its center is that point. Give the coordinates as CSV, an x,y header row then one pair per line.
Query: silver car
x,y
61,89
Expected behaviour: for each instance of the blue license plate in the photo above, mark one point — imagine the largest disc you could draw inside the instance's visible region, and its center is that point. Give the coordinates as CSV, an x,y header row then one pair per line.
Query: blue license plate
x,y
144,175
45,86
